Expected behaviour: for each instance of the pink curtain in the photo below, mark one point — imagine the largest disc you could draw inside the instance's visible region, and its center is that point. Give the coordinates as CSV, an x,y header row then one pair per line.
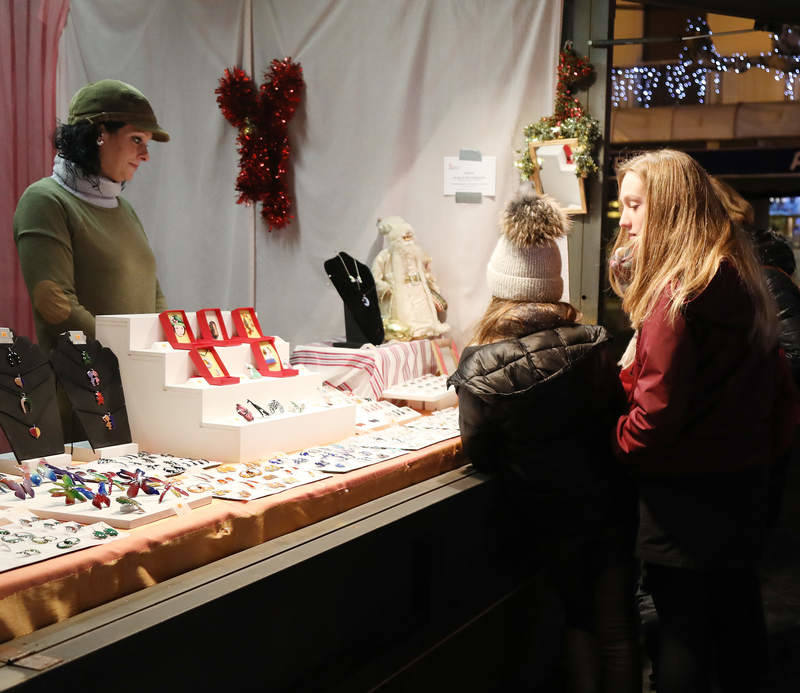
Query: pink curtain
x,y
29,34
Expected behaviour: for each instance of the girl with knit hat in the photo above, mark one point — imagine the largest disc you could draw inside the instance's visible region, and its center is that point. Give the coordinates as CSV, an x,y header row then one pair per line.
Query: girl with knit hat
x,y
538,395
710,407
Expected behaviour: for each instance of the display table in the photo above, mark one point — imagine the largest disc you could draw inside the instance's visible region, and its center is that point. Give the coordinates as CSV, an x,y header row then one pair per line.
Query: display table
x,y
367,372
37,595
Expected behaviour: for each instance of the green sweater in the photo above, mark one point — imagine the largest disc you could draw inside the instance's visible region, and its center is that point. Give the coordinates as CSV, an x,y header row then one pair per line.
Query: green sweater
x,y
80,260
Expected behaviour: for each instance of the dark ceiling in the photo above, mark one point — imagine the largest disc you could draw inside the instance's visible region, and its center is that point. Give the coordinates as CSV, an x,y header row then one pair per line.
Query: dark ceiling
x,y
783,11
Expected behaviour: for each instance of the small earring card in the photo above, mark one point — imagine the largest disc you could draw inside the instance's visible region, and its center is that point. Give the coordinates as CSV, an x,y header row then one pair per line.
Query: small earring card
x,y
177,330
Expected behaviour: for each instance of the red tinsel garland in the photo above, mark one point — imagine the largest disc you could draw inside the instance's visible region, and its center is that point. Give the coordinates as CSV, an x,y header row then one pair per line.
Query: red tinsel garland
x,y
573,72
262,115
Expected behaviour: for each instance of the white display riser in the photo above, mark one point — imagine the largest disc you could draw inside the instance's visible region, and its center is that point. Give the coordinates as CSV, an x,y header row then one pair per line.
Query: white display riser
x,y
10,465
169,411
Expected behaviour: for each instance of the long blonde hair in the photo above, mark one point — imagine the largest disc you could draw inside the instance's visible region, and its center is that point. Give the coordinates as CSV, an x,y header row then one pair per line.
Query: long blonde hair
x,y
508,319
685,235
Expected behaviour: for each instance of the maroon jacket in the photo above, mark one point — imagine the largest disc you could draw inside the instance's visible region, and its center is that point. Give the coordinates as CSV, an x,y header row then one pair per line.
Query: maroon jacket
x,y
702,398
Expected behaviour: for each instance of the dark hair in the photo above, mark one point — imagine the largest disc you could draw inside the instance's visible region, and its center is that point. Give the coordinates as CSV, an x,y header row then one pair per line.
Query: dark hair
x,y
773,249
77,145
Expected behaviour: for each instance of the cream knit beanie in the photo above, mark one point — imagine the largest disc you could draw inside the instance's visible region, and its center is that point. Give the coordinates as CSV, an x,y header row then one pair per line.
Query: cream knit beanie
x,y
526,262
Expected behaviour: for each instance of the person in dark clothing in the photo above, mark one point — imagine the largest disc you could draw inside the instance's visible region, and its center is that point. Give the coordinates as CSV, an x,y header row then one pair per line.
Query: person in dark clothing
x,y
711,407
538,394
778,264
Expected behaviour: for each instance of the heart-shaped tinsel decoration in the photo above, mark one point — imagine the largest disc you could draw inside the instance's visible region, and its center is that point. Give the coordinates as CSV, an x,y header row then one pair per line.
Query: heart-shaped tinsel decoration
x,y
262,115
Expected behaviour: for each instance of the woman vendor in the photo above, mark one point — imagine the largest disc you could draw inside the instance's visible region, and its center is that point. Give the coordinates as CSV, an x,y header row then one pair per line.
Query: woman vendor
x,y
82,249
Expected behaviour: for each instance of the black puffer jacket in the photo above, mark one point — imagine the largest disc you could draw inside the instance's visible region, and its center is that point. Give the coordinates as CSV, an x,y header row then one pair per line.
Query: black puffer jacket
x,y
778,263
538,411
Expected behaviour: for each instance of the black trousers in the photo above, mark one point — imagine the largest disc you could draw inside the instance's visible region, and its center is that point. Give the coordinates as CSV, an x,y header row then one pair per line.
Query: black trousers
x,y
713,635
594,579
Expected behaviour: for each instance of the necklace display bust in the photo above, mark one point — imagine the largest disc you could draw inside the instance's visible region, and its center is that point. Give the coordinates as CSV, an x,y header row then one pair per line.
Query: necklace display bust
x,y
356,287
89,374
29,414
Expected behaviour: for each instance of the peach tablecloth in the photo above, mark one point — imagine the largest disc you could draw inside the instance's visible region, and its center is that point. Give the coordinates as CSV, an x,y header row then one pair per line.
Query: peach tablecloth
x,y
37,595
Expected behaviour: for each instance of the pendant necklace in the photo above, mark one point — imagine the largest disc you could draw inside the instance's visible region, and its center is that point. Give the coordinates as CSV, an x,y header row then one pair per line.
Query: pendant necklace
x,y
354,280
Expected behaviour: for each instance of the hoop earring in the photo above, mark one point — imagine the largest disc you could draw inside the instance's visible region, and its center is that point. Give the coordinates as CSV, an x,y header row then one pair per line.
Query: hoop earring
x,y
100,141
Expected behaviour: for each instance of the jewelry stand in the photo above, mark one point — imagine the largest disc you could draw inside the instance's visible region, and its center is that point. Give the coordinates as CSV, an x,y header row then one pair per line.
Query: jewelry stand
x,y
29,413
356,287
89,374
170,410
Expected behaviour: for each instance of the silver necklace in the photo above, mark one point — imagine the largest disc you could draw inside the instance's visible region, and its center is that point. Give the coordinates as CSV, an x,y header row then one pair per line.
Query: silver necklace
x,y
354,280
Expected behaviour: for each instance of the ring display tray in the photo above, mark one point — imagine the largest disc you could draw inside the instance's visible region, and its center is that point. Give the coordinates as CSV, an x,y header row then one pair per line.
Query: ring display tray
x,y
172,410
428,392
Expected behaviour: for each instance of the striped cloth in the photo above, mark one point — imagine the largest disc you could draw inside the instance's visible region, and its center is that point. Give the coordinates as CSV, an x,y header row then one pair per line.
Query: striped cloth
x,y
368,372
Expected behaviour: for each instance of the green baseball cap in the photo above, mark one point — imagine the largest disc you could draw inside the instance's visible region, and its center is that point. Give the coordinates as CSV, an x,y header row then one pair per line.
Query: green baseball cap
x,y
112,100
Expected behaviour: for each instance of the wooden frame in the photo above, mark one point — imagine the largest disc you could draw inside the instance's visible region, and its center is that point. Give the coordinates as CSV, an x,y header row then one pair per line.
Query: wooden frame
x,y
554,173
446,355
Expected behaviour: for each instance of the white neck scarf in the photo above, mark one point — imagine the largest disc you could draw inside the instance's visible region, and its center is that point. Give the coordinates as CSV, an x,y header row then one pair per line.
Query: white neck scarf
x,y
100,191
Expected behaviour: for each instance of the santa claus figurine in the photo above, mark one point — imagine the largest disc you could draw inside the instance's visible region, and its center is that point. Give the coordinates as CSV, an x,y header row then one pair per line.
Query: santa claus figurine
x,y
409,296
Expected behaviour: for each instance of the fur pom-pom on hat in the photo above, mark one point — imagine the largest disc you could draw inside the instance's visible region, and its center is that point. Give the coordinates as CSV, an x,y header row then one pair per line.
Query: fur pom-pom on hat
x,y
526,262
530,219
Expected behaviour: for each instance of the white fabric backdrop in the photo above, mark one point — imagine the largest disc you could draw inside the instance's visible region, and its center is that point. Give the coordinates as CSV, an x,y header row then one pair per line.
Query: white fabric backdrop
x,y
393,86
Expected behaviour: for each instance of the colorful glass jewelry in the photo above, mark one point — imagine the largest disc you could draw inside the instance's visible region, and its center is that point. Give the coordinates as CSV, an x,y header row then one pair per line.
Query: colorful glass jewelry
x,y
101,497
94,379
71,493
108,421
24,403
86,357
68,542
244,412
259,409
275,407
18,381
138,481
129,505
98,396
35,431
175,490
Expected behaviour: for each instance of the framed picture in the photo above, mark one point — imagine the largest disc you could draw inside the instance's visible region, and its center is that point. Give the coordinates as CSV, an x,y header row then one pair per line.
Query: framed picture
x,y
446,355
246,323
209,365
212,327
267,359
555,173
177,330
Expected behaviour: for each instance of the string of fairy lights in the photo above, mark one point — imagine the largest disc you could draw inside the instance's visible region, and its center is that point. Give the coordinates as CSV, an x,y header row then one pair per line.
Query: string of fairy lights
x,y
698,69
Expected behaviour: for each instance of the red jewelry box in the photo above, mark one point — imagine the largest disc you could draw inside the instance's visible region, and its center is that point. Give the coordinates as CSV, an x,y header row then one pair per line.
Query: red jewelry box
x,y
212,328
177,329
209,365
268,361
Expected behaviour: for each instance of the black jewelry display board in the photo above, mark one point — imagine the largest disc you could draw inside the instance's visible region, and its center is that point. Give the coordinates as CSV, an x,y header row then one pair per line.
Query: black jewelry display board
x,y
29,414
89,375
355,284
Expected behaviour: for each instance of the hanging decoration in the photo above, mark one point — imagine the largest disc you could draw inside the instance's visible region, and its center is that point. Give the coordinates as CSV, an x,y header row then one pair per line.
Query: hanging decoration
x,y
569,118
699,66
262,115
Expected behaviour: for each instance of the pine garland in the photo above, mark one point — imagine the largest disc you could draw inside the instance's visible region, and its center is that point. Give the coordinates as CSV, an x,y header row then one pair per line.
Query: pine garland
x,y
569,119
